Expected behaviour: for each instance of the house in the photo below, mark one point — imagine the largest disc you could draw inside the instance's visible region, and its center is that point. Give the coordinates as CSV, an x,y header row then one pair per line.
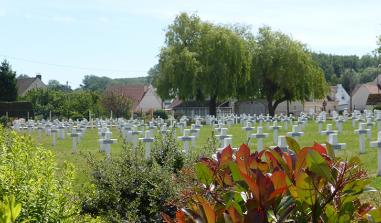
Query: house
x,y
337,99
26,84
201,108
374,100
360,95
259,106
144,97
341,97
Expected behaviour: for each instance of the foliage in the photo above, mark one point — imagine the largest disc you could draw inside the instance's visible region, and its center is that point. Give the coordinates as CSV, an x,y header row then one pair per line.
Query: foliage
x,y
119,104
95,83
4,121
303,185
64,104
129,188
160,114
334,66
8,89
57,86
9,209
283,70
197,57
30,173
166,151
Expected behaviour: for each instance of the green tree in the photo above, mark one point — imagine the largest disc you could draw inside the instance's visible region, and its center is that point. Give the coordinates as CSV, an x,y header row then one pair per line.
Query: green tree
x,y
94,83
349,81
119,104
283,70
8,89
201,61
56,85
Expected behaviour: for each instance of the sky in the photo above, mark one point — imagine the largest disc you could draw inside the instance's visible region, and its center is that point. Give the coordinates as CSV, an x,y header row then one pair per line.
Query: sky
x,y
68,39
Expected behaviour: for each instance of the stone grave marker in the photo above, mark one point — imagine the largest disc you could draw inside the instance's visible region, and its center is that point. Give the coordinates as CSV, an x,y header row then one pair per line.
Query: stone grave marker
x,y
259,136
362,131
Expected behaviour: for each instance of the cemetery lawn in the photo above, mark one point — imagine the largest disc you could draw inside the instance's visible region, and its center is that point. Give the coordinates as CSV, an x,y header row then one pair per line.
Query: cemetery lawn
x,y
89,146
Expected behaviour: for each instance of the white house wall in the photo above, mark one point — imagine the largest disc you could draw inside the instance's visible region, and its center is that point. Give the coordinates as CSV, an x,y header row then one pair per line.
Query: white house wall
x,y
359,98
150,101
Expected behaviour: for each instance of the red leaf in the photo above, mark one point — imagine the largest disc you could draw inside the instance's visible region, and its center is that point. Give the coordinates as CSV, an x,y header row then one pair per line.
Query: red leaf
x,y
242,158
226,155
301,159
208,209
265,186
364,209
167,218
319,148
234,215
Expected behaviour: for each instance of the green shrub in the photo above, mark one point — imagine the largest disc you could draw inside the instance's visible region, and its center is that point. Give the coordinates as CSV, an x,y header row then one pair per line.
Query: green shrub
x,y
30,173
299,185
167,152
160,113
4,121
9,210
129,188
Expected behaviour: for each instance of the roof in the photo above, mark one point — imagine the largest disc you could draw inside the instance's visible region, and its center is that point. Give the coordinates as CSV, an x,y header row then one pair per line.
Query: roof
x,y
133,92
371,88
373,99
377,79
23,84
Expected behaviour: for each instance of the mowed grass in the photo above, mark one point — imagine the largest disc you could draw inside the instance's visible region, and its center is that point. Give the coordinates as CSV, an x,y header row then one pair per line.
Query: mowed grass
x,y
89,145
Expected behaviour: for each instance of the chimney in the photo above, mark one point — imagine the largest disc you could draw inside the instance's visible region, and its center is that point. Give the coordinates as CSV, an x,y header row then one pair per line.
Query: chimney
x,y
38,76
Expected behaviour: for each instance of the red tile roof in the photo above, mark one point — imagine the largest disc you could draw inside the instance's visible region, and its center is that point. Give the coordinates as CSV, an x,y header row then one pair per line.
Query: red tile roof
x,y
134,92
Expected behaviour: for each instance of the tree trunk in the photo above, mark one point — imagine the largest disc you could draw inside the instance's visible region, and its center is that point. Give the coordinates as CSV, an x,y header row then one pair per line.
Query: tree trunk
x,y
212,106
288,107
271,107
350,103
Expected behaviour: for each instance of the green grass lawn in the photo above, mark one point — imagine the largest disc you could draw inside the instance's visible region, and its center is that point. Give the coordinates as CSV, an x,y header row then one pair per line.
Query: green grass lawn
x,y
89,145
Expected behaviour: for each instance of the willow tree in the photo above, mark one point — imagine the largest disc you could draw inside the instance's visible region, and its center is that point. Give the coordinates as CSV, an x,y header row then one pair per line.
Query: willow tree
x,y
283,70
202,61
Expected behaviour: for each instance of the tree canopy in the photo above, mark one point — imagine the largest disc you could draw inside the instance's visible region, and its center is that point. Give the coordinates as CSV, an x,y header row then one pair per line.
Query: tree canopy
x,y
201,61
8,89
283,70
56,85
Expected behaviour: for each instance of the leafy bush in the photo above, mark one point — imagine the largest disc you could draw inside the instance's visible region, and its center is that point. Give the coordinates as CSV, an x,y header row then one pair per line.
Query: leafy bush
x,y
303,185
9,210
166,151
4,121
160,113
30,173
129,188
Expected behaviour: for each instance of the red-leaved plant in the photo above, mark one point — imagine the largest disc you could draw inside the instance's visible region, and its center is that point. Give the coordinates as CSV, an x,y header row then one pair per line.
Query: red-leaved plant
x,y
299,185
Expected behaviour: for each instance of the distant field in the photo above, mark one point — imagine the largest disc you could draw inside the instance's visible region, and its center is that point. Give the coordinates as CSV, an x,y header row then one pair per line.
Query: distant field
x,y
89,145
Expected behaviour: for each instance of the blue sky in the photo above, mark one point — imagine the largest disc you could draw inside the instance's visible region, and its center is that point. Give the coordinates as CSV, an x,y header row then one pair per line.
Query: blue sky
x,y
67,39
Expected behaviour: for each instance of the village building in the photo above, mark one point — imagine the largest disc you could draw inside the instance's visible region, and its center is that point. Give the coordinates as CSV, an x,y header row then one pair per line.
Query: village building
x,y
361,93
144,97
373,101
199,108
337,99
27,84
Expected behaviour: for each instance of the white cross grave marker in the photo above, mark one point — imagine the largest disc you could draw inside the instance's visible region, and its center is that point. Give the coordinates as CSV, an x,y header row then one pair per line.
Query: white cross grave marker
x,y
259,136
295,132
378,145
186,138
362,132
147,140
107,141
